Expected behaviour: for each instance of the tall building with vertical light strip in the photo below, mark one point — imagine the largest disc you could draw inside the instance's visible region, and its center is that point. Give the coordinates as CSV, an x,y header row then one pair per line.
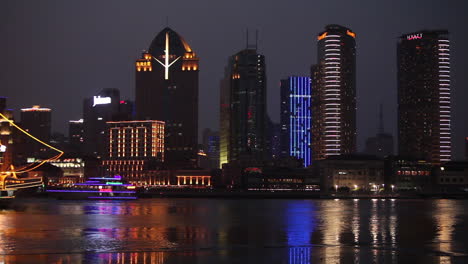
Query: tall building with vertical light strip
x,y
296,118
334,93
134,148
166,89
424,114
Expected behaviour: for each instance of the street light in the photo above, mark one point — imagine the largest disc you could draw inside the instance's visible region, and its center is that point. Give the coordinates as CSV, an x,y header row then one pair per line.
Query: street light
x,y
393,187
336,188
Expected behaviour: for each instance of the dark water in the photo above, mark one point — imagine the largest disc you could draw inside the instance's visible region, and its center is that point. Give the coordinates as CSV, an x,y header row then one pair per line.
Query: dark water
x,y
235,231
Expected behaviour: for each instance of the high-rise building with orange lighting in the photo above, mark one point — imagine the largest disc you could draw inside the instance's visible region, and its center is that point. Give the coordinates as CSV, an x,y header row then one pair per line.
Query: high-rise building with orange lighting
x,y
424,114
334,93
167,90
133,149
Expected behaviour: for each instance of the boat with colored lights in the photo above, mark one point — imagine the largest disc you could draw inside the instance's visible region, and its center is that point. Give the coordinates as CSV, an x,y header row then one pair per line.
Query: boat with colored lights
x,y
105,188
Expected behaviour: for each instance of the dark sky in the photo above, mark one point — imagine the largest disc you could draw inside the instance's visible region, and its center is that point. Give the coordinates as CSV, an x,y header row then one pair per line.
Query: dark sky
x,y
55,53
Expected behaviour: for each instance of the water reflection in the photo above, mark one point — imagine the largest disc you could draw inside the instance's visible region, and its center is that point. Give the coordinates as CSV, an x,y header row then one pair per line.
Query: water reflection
x,y
301,222
250,231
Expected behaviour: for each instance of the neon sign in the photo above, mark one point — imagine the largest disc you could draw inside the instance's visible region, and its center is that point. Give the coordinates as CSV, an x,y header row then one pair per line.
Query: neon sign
x,y
414,36
98,100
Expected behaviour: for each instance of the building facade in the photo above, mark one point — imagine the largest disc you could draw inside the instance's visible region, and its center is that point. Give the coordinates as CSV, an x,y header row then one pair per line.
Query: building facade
x,y
334,93
452,177
98,110
351,172
296,118
405,174
6,137
167,89
134,148
424,113
243,104
76,136
36,120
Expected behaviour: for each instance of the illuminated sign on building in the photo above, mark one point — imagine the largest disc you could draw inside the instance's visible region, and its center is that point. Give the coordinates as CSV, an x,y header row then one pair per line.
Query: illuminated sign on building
x,y
414,36
2,148
98,100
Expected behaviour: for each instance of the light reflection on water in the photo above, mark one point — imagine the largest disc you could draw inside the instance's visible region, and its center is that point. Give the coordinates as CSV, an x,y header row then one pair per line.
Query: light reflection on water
x,y
241,231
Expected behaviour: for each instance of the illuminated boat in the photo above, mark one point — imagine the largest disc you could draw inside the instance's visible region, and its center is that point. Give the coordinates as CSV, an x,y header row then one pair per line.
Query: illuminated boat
x,y
107,188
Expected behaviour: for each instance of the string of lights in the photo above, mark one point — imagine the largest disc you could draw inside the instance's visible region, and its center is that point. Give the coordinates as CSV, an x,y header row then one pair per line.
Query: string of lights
x,y
28,167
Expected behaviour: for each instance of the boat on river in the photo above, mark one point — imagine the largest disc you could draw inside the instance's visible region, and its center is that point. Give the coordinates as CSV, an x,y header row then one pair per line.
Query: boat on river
x,y
105,188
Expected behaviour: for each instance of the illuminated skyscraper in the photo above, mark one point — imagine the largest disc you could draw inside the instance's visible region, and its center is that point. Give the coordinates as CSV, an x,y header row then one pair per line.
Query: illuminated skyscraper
x,y
424,96
167,90
296,117
334,93
243,104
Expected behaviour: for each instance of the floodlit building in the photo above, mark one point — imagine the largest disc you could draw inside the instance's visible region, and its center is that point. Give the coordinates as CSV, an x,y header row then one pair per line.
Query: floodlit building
x,y
134,149
167,89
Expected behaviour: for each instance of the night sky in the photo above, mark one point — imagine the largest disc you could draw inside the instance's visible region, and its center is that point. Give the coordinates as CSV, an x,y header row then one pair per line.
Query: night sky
x,y
56,53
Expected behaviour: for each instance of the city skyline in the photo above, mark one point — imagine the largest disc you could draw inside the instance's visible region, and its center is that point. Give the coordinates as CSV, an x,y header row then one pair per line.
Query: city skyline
x,y
21,74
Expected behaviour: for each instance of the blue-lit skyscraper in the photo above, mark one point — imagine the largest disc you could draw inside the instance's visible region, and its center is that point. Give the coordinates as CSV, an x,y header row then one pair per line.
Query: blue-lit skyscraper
x,y
296,118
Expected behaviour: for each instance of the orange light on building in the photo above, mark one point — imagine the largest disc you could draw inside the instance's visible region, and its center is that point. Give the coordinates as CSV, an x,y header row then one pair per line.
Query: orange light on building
x,y
350,33
322,36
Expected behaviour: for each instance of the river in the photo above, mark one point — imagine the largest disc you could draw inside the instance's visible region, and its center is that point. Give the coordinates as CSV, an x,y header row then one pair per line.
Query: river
x,y
235,231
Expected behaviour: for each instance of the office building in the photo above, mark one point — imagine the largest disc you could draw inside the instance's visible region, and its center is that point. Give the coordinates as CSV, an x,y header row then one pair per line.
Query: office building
x,y
134,149
351,173
211,148
36,120
225,116
334,93
424,114
296,118
76,136
167,89
243,107
97,110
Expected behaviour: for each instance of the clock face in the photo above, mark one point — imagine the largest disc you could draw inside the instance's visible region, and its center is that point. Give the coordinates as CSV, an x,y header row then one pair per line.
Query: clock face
x,y
166,63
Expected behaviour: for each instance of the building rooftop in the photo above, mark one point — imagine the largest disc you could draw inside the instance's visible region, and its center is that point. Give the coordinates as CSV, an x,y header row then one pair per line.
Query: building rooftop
x,y
178,46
